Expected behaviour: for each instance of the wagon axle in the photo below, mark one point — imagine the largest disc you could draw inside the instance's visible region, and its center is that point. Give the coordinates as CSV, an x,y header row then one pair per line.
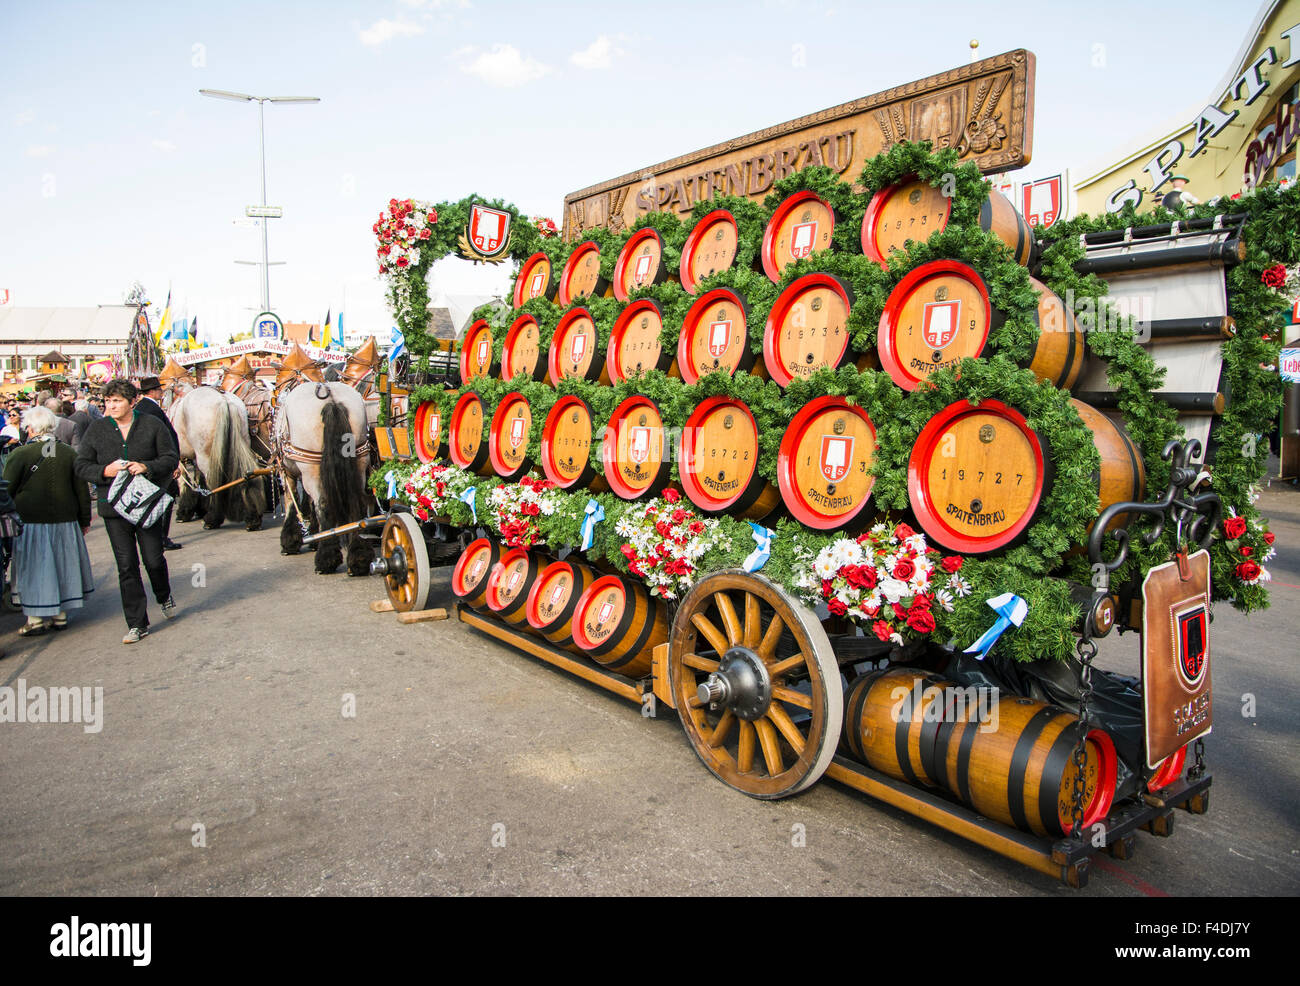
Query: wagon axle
x,y
741,685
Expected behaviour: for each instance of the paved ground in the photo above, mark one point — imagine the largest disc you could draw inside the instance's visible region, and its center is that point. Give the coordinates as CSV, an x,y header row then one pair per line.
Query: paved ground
x,y
231,717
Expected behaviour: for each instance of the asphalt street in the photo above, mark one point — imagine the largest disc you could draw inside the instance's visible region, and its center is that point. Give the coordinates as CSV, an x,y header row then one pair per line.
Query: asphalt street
x,y
227,762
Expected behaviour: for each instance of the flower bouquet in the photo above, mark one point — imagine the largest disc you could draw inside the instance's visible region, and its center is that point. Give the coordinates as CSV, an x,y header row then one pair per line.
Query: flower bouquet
x,y
515,509
664,542
400,231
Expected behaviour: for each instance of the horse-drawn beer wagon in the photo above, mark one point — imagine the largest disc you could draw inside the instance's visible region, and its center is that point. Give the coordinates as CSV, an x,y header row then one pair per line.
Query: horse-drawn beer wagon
x,y
814,440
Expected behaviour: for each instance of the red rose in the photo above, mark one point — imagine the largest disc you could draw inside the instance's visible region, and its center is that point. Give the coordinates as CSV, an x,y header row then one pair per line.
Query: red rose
x,y
900,611
1248,571
679,515
882,629
903,532
871,611
904,570
1275,276
697,527
1268,537
1234,527
838,608
629,552
921,622
671,495
433,216
921,604
1247,551
827,588
857,576
952,564
423,515
531,509
662,527
403,262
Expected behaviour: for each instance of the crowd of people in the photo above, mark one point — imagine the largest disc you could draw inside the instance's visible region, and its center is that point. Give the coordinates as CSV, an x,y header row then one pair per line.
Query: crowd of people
x,y
61,451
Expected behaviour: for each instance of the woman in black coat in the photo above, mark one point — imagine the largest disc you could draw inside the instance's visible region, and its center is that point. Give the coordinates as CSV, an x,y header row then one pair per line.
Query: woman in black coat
x,y
140,445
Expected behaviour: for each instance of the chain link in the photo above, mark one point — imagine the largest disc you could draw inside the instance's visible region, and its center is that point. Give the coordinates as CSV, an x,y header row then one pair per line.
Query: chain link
x,y
1198,754
1087,650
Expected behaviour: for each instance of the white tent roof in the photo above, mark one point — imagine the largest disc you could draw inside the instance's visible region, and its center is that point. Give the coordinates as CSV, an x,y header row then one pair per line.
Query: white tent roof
x,y
105,323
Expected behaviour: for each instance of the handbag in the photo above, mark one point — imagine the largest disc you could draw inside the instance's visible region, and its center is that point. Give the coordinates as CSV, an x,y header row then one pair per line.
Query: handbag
x,y
138,501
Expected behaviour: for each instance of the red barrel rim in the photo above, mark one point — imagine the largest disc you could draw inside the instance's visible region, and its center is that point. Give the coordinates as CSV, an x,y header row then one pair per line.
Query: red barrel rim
x,y
771,331
690,486
471,343
620,265
693,242
423,450
616,372
536,591
549,468
889,359
579,615
1168,770
769,234
460,570
557,342
562,297
508,369
609,450
793,497
494,587
1107,775
453,428
525,272
871,219
928,514
496,433
692,322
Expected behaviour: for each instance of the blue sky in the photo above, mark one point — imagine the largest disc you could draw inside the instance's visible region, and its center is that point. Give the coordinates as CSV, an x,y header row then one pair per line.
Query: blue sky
x,y
114,168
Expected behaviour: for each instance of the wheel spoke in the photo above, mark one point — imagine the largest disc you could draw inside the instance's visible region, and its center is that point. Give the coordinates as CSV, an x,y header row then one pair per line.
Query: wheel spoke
x,y
792,697
771,637
729,618
700,663
745,754
789,664
711,633
753,617
771,747
782,721
722,729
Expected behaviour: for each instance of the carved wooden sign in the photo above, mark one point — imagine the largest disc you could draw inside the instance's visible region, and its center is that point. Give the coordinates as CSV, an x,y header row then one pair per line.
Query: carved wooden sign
x,y
985,110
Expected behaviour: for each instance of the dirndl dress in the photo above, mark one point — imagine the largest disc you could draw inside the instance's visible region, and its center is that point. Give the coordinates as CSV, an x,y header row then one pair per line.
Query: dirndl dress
x,y
51,568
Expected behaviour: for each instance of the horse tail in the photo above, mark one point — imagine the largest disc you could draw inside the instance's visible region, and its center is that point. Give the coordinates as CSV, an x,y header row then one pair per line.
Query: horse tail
x,y
242,461
220,452
342,493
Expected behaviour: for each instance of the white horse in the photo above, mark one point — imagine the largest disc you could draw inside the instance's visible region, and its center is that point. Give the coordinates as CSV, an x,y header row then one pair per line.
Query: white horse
x,y
321,437
212,427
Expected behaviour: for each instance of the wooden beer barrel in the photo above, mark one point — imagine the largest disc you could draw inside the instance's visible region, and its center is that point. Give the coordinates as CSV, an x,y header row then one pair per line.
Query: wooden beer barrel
x,y
937,315
808,328
634,345
618,625
508,437
640,263
429,445
469,577
581,275
535,280
710,247
1014,763
1060,352
521,352
714,337
508,585
553,600
915,210
465,435
886,725
800,226
476,352
566,446
1123,475
983,495
638,462
823,467
575,349
719,465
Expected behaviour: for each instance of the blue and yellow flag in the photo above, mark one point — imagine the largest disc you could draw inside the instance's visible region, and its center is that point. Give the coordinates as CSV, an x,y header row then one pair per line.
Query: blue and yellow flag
x,y
325,341
163,323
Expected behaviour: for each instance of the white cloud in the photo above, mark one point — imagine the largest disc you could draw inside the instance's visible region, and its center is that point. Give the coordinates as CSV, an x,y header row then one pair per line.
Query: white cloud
x,y
24,118
435,4
166,146
385,30
503,66
39,150
599,54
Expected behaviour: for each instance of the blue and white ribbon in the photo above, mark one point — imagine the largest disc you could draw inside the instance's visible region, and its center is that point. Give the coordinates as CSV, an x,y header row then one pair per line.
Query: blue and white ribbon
x,y
392,483
595,514
468,497
1010,609
398,343
763,548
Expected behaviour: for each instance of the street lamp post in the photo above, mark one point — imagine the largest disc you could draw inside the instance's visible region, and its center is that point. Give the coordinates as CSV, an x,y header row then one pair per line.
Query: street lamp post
x,y
261,101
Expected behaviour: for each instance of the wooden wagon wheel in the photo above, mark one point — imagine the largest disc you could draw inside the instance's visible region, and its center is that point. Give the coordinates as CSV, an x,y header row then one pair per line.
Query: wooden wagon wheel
x,y
407,559
756,684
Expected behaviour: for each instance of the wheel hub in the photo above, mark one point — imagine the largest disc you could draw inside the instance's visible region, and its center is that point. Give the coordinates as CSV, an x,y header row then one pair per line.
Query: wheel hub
x,y
394,565
740,684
